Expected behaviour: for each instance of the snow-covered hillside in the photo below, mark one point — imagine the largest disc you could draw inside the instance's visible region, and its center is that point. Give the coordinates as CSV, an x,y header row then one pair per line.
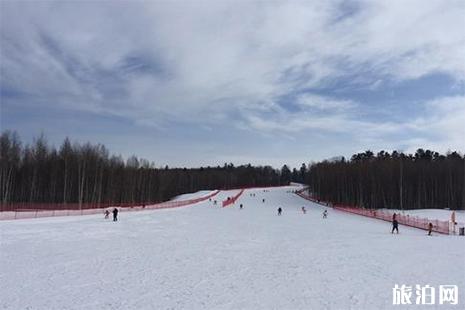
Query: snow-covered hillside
x,y
208,257
192,195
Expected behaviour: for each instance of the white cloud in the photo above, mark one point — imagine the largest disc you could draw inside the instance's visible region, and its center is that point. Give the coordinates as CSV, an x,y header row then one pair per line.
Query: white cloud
x,y
443,125
211,61
247,53
324,103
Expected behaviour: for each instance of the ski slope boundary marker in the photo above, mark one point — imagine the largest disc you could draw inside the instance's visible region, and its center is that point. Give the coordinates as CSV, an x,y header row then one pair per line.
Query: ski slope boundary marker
x,y
232,200
51,210
442,227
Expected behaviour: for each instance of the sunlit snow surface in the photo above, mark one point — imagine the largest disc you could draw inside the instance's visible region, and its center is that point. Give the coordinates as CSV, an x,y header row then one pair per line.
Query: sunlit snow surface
x,y
208,257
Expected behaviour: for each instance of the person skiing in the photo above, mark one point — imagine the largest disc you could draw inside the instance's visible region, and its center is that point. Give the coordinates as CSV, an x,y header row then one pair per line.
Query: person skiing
x,y
107,214
115,214
325,213
280,211
241,206
430,229
263,200
395,224
303,210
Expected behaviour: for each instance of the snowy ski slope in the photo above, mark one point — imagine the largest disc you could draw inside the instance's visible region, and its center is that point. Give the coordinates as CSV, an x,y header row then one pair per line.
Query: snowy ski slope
x,y
208,257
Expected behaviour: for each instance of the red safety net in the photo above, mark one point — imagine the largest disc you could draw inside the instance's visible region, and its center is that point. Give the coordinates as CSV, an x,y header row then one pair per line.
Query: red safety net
x,y
443,227
232,200
35,210
302,194
412,221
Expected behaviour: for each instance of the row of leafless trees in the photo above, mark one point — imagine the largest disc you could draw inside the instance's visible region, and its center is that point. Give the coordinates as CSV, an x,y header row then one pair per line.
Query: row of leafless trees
x,y
86,173
425,179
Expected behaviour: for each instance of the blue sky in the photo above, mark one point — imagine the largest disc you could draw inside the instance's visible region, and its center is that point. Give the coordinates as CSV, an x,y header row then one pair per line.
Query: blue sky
x,y
207,82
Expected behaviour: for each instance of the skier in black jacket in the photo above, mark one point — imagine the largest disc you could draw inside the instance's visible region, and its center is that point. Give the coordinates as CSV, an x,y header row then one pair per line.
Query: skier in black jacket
x,y
395,224
115,214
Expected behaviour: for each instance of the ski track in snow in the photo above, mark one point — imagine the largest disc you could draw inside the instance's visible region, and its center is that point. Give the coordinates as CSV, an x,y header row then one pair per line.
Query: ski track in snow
x,y
208,257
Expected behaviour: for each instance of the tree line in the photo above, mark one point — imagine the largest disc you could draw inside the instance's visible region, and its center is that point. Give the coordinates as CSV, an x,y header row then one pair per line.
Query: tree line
x,y
88,174
423,180
85,173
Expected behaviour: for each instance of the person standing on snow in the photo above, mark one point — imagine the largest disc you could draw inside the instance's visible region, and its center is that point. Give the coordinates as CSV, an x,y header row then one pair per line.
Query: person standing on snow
x,y
430,229
303,210
241,206
115,214
325,214
280,211
395,224
107,214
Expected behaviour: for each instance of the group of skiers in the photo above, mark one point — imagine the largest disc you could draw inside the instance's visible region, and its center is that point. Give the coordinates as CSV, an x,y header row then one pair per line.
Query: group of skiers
x,y
280,210
115,214
304,211
395,225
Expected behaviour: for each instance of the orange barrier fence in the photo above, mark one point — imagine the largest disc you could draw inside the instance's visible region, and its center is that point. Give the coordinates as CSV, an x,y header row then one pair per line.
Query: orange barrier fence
x,y
443,227
232,200
49,210
312,199
32,206
412,221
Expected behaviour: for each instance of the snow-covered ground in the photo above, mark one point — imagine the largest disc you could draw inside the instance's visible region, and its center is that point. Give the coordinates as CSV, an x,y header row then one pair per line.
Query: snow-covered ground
x,y
208,257
195,195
